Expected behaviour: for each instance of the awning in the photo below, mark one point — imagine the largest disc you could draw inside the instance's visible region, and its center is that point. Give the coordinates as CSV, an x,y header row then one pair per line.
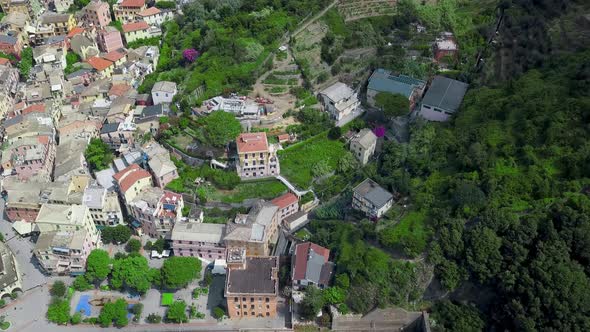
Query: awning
x,y
23,228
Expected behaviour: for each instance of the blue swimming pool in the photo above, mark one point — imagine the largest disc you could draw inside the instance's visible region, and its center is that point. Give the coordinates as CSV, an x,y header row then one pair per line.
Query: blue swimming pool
x,y
83,305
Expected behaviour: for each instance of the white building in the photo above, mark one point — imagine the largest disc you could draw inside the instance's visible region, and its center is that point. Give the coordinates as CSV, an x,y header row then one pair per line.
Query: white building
x,y
369,198
363,145
104,206
163,92
341,102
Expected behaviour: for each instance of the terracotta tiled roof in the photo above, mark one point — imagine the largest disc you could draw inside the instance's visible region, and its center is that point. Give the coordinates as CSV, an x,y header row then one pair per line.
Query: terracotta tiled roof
x,y
150,11
119,89
132,3
4,61
302,255
252,142
129,176
75,31
115,55
284,200
36,108
99,64
135,26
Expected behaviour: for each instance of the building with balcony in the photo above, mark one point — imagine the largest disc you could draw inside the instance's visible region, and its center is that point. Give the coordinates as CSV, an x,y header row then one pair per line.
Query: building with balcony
x,y
156,210
67,218
64,252
257,158
136,30
8,88
96,14
255,231
127,10
369,198
105,209
197,239
109,39
340,102
118,135
252,285
288,204
30,157
131,181
53,24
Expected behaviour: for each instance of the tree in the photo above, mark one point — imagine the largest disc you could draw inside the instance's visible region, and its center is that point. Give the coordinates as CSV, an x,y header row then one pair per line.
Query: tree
x,y
347,163
334,295
154,319
335,132
320,168
114,312
136,310
218,313
26,62
59,311
98,155
312,303
132,272
133,245
116,235
342,281
159,245
76,318
81,284
177,312
58,289
97,265
483,253
178,272
221,128
392,104
457,317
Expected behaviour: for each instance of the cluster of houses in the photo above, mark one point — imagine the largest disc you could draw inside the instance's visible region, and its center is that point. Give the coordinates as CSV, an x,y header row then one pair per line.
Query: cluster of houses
x,y
49,118
436,100
34,22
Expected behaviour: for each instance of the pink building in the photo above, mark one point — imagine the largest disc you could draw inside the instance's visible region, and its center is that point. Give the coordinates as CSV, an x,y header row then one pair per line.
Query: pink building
x,y
109,39
97,14
197,239
30,156
288,204
63,252
10,45
156,210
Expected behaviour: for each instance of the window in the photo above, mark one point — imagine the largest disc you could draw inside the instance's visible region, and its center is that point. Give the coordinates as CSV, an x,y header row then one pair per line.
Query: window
x,y
251,299
267,314
426,107
244,299
252,306
253,313
267,300
245,314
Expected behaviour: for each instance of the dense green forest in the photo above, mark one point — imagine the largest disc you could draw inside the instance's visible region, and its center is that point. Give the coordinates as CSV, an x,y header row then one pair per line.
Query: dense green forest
x,y
504,188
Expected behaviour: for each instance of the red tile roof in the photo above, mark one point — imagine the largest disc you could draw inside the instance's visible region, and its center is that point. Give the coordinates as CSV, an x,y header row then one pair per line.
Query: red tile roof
x,y
129,176
283,137
132,3
149,12
285,200
252,142
135,26
75,31
36,108
301,256
4,61
119,89
115,55
99,64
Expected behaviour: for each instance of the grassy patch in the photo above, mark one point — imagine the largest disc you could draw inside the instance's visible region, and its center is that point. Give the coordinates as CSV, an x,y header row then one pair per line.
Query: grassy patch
x,y
167,299
266,189
297,161
277,89
303,234
335,22
409,234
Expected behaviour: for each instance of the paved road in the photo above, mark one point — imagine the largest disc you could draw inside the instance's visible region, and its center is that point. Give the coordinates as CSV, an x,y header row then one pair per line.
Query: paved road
x,y
23,251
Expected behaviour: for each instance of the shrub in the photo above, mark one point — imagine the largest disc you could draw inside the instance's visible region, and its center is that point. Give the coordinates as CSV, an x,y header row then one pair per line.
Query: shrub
x,y
58,289
154,319
76,319
218,313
